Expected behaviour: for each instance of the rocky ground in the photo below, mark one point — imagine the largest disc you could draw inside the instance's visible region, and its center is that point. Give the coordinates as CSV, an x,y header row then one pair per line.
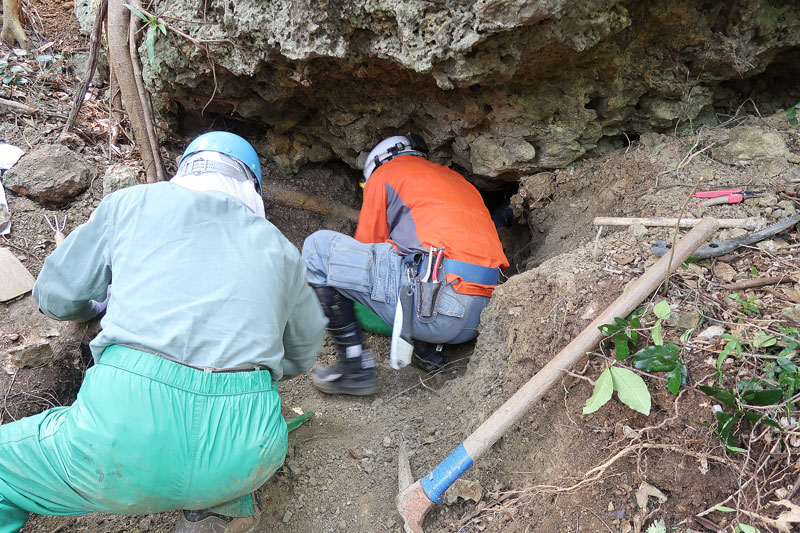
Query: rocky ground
x,y
557,469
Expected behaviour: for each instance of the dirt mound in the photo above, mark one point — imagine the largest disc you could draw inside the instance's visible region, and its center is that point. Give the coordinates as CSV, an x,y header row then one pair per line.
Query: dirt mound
x,y
531,317
559,468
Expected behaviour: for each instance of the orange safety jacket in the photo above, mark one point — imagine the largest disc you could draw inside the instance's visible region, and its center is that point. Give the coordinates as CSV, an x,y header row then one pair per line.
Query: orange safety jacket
x,y
414,204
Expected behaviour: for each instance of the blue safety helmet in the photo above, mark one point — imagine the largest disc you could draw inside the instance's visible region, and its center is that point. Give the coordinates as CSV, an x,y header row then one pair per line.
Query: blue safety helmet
x,y
228,144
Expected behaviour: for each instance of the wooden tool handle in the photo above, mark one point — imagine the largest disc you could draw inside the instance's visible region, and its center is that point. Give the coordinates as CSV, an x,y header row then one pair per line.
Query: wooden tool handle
x,y
503,418
720,200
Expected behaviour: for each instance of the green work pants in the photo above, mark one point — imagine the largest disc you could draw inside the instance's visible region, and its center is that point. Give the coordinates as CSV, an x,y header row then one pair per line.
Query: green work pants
x,y
145,435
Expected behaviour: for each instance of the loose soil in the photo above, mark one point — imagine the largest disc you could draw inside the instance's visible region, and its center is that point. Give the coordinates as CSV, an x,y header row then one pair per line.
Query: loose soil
x,y
554,470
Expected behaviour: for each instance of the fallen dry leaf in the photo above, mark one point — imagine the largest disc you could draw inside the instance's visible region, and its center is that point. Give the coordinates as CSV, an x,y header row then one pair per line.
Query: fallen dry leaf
x,y
785,520
724,271
646,490
465,489
624,259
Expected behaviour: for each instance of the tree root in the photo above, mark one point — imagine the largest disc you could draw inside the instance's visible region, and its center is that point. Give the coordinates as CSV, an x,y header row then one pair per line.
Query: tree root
x,y
308,202
122,53
144,96
12,31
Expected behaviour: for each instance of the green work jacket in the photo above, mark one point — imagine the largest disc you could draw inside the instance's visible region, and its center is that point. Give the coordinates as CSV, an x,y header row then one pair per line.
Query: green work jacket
x,y
196,277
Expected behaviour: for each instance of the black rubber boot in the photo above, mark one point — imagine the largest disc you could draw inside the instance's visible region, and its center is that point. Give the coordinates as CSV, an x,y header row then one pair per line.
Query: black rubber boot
x,y
428,356
208,522
355,372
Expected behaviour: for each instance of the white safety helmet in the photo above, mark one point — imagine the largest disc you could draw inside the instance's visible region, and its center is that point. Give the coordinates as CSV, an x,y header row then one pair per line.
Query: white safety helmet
x,y
392,147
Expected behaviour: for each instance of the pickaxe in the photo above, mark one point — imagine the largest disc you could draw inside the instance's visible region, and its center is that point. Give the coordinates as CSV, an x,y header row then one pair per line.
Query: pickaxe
x,y
415,500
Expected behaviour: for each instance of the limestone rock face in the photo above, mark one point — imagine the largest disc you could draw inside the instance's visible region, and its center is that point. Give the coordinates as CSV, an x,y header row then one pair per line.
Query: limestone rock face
x,y
499,87
50,175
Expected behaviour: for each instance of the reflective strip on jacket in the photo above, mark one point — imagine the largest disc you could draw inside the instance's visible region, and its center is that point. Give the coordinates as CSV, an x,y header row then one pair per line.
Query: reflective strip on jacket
x,y
414,204
196,276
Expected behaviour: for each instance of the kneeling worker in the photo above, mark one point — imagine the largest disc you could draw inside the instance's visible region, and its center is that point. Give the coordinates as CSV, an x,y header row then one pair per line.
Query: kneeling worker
x,y
209,309
424,237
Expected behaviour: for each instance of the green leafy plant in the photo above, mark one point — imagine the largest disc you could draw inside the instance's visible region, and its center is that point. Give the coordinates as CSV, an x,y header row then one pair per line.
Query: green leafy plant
x,y
664,358
623,333
12,74
51,66
791,114
726,422
662,311
733,345
746,303
631,390
775,382
764,340
153,27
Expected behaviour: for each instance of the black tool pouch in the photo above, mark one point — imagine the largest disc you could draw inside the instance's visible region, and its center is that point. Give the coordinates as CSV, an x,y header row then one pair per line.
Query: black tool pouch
x,y
429,296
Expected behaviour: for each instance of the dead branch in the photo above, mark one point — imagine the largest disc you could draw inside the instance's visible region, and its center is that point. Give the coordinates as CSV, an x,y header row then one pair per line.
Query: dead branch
x,y
757,282
13,106
94,46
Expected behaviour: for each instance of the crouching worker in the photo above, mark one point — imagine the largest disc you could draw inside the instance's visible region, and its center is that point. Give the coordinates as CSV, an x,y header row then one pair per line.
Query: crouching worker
x,y
209,309
425,239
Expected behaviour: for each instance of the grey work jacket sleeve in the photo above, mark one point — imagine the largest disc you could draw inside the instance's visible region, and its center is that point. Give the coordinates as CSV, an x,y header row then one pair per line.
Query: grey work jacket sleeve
x,y
78,271
305,329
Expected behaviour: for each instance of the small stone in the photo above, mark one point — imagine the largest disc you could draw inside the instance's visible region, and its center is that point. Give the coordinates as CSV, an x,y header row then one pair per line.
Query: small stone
x,y
387,442
378,402
768,200
711,332
287,516
72,141
766,246
792,312
639,231
32,354
118,177
684,321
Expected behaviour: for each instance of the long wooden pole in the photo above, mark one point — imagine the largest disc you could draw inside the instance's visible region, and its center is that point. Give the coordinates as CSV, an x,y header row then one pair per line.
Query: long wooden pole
x,y
746,223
